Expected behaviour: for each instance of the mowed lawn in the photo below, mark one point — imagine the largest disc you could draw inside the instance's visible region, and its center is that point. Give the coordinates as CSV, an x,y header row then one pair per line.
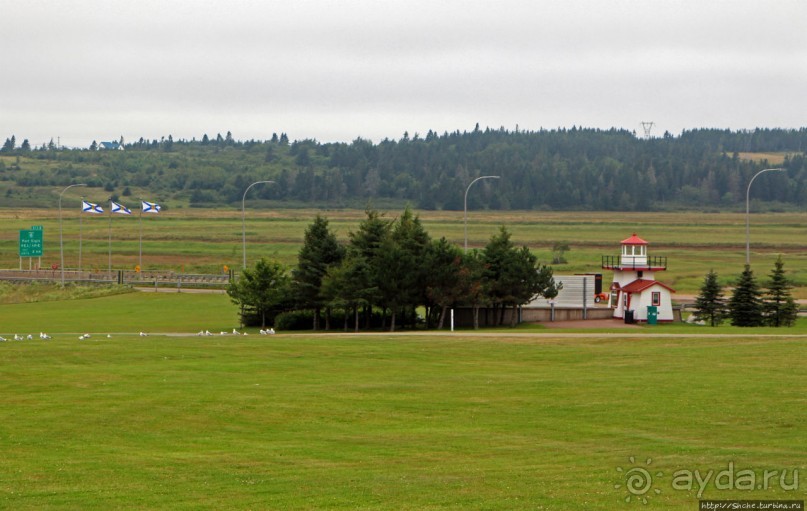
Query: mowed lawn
x,y
124,313
377,421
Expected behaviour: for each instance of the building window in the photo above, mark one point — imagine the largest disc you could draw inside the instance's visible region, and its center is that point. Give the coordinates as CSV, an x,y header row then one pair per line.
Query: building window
x,y
656,298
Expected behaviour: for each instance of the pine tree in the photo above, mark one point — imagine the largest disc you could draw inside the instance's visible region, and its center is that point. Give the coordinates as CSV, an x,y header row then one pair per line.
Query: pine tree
x,y
512,275
9,145
260,290
745,305
779,307
320,251
710,304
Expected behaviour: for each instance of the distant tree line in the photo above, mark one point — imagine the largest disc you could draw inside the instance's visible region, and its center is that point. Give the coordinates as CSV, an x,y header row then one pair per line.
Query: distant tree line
x,y
561,169
387,272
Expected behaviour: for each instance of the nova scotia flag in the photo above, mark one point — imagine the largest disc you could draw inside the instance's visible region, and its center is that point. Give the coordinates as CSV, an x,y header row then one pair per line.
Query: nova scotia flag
x,y
118,208
150,207
89,207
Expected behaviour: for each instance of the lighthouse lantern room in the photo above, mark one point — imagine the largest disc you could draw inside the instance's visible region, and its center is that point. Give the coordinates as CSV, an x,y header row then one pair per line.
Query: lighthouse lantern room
x,y
635,292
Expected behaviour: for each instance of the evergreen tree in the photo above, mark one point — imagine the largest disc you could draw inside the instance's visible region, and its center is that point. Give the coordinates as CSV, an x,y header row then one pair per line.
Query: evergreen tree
x,y
745,305
9,145
260,290
474,288
345,286
511,275
779,307
414,243
26,146
365,244
319,252
393,264
710,304
444,277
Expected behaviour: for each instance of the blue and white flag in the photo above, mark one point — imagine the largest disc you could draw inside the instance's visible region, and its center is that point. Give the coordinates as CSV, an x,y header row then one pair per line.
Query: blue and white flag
x,y
89,207
150,207
119,208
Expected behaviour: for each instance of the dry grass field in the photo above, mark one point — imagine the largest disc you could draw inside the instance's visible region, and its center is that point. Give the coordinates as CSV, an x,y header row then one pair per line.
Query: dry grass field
x,y
205,241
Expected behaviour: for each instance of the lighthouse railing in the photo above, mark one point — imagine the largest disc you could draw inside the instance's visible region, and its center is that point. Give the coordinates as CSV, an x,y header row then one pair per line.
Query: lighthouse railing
x,y
633,263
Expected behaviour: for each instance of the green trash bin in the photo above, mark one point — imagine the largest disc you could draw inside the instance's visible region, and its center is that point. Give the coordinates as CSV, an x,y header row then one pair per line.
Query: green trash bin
x,y
652,315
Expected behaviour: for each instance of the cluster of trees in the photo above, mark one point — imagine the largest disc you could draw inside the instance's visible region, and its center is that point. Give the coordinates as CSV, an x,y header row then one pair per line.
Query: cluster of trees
x,y
561,169
391,266
749,305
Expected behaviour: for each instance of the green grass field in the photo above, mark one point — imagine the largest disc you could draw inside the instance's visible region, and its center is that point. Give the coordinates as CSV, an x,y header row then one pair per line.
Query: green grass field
x,y
500,420
525,418
378,422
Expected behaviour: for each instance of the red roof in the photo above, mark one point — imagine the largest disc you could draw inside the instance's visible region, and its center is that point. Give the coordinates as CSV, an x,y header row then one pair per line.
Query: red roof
x,y
634,240
637,286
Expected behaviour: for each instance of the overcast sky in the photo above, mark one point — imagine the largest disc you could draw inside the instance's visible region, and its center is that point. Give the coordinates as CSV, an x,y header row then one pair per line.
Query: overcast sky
x,y
84,70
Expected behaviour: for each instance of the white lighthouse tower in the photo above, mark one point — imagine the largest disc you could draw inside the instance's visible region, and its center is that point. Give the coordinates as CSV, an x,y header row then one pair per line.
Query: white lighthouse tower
x,y
636,295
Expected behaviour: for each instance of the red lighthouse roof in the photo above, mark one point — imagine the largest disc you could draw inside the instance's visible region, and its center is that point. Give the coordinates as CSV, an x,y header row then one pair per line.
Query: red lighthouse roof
x,y
634,240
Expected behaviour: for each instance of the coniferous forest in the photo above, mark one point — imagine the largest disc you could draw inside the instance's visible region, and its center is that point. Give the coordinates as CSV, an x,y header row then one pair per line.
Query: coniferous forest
x,y
562,169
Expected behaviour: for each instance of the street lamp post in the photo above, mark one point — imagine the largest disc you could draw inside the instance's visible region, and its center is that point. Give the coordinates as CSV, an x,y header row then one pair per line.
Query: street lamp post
x,y
466,205
61,245
243,219
747,211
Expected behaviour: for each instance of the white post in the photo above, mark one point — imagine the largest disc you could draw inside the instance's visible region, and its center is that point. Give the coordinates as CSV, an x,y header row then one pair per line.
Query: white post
x,y
452,320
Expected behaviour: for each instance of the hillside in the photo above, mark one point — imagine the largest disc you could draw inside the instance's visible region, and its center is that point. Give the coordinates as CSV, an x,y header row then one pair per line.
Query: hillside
x,y
565,169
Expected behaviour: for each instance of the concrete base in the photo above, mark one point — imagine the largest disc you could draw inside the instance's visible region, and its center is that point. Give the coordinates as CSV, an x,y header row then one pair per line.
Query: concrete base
x,y
489,317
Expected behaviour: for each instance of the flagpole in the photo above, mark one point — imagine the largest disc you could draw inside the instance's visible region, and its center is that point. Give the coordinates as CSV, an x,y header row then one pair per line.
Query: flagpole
x,y
79,238
140,224
109,270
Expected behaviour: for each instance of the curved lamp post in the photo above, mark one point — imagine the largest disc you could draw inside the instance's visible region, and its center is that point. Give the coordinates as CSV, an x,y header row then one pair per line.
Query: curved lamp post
x,y
466,205
61,245
243,219
747,210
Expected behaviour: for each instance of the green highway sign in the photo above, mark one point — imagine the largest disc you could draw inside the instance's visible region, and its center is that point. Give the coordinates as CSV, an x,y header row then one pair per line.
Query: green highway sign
x,y
31,242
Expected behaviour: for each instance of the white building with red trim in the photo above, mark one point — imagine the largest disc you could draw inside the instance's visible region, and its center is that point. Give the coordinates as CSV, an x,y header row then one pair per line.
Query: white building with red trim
x,y
635,288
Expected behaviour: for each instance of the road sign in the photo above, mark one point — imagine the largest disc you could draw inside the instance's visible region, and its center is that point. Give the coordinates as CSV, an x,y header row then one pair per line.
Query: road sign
x,y
30,243
36,227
